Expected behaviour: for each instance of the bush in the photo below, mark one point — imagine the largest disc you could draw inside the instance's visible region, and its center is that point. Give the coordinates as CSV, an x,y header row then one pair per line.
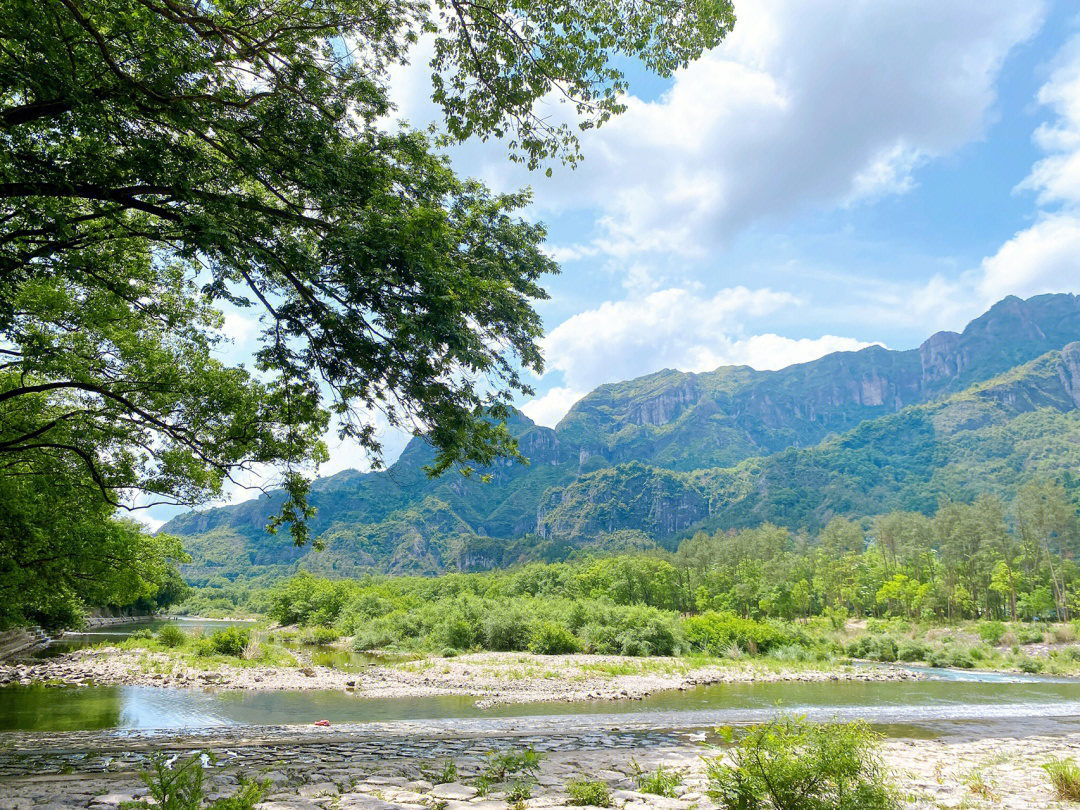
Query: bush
x,y
171,636
507,629
230,641
1030,665
549,638
715,632
961,659
797,765
588,792
911,651
992,632
324,635
1065,777
179,786
883,649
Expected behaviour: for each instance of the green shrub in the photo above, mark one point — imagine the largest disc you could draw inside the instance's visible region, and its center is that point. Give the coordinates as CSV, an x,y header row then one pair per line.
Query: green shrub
x,y
549,638
507,629
715,632
1065,777
230,641
588,793
883,648
792,764
961,659
142,634
911,651
171,636
324,635
179,786
661,782
499,765
992,632
519,791
1029,634
1030,665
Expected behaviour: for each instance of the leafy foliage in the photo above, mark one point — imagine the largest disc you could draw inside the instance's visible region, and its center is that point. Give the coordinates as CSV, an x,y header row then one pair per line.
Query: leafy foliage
x,y
165,164
588,792
790,764
179,786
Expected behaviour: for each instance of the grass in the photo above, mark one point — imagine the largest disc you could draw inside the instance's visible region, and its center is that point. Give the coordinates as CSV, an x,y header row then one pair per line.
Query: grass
x,y
588,792
1065,777
261,653
661,782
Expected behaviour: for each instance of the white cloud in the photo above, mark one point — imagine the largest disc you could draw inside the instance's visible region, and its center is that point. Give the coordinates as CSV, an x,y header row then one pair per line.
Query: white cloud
x,y
805,104
147,520
1056,178
1044,258
238,328
673,328
552,406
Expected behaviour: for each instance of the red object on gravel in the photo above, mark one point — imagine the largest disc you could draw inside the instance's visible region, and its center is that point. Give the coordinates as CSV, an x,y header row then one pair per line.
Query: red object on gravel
x,y
322,722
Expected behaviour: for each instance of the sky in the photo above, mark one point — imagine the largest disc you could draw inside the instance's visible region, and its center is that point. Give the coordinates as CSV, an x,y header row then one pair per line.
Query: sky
x,y
835,174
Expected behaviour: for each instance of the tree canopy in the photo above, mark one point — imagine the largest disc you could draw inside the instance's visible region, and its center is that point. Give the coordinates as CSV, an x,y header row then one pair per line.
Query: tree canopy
x,y
165,159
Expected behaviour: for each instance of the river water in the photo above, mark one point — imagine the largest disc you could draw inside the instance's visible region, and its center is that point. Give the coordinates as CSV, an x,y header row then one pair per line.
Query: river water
x,y
945,695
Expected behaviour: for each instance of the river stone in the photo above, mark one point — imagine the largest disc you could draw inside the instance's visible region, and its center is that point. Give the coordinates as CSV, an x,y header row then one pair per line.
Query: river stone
x,y
288,804
112,799
453,790
420,785
320,789
363,801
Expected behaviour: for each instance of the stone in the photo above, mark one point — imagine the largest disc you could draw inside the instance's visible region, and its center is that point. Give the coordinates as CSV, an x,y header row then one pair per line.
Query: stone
x,y
453,790
363,801
288,804
112,799
420,785
320,789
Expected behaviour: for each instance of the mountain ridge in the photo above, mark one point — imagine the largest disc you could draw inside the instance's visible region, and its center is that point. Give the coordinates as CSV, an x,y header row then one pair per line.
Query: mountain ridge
x,y
664,453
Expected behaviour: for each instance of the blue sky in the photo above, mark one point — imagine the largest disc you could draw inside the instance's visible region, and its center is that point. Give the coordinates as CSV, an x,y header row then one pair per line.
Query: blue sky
x,y
835,174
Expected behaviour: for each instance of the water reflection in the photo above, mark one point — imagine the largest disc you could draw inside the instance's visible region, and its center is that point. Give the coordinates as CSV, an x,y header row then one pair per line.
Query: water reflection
x,y
145,707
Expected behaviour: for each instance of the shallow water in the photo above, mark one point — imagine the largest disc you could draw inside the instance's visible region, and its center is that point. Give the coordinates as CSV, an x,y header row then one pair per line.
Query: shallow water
x,y
143,707
944,695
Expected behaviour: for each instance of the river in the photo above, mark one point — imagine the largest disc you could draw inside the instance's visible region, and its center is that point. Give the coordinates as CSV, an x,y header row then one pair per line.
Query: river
x,y
943,695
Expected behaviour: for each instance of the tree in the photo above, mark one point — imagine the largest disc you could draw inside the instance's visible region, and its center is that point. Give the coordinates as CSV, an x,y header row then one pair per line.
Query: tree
x,y
1046,520
164,159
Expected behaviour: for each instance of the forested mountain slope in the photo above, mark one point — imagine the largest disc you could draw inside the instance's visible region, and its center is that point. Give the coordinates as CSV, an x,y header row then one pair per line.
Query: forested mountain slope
x,y
651,459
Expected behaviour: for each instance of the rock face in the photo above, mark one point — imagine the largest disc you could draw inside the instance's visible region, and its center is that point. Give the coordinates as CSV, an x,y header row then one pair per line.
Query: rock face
x,y
665,453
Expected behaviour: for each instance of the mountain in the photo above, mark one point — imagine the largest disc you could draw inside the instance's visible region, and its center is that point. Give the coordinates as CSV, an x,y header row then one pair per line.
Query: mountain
x,y
650,460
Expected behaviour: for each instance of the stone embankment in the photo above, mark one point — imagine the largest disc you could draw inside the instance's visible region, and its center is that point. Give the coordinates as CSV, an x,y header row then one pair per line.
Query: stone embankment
x,y
360,772
493,678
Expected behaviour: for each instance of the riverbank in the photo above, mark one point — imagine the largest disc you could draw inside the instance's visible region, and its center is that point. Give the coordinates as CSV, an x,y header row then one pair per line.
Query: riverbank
x,y
395,768
493,678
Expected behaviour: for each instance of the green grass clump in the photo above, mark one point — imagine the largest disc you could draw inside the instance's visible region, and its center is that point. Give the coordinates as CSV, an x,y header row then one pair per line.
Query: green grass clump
x,y
661,782
171,636
1065,777
588,792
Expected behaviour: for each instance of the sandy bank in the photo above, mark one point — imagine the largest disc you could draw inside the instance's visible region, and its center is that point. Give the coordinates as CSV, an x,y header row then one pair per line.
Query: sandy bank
x,y
492,678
